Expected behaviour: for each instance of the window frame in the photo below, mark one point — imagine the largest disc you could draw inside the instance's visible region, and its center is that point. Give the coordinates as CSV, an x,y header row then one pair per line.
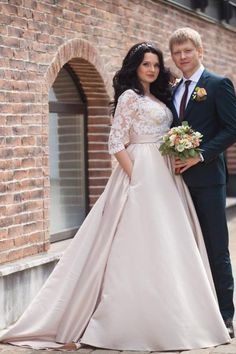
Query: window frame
x,y
221,21
70,107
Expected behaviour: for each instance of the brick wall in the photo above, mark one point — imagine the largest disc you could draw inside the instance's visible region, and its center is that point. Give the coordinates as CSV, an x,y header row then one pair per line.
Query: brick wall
x,y
36,39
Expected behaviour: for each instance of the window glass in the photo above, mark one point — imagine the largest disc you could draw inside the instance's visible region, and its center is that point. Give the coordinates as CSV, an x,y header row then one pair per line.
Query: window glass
x,y
66,158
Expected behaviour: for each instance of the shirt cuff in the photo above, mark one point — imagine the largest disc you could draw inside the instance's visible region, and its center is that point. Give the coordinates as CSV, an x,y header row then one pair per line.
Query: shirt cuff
x,y
201,157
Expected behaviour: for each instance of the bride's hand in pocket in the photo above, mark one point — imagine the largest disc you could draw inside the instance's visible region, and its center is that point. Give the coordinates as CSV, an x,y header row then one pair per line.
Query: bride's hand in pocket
x,y
130,174
125,162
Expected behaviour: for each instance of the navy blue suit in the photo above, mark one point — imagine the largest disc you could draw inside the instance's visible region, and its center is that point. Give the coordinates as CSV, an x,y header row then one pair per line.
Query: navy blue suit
x,y
215,118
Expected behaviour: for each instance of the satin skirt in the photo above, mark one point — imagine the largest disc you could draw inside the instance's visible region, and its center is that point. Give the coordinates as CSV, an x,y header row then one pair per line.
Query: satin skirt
x,y
136,275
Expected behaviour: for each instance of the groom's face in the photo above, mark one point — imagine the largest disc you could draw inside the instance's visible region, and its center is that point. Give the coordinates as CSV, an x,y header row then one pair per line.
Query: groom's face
x,y
187,57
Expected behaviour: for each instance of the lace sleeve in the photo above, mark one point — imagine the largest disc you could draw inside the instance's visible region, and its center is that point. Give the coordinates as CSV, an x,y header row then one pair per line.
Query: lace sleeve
x,y
126,110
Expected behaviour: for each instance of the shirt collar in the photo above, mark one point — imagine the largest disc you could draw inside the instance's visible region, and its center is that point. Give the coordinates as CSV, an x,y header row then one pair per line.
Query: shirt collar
x,y
196,76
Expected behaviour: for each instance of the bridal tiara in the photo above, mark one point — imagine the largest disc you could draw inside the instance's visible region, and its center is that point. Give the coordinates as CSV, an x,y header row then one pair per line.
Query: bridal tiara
x,y
142,45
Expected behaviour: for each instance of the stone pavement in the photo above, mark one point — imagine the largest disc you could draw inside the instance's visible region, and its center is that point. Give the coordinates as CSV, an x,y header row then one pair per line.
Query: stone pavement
x,y
222,349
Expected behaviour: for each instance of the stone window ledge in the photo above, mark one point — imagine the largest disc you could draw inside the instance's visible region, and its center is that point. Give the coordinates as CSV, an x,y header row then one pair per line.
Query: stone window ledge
x,y
55,252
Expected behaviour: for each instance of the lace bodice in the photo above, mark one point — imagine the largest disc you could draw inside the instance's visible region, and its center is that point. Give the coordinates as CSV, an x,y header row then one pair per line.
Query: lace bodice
x,y
139,115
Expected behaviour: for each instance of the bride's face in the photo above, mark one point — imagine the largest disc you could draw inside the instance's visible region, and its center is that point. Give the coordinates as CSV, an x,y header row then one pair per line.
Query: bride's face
x,y
149,69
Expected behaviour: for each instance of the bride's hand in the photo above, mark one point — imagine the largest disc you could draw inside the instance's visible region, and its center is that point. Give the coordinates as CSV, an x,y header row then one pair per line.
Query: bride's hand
x,y
125,162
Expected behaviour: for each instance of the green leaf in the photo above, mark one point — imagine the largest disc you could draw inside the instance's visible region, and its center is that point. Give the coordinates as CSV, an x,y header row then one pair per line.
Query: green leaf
x,y
186,154
192,153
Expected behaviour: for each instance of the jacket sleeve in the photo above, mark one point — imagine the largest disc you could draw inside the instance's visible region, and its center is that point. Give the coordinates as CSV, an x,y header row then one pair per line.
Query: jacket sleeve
x,y
225,101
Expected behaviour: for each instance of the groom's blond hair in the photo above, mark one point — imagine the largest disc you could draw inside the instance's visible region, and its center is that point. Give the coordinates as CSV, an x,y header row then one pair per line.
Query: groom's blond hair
x,y
181,35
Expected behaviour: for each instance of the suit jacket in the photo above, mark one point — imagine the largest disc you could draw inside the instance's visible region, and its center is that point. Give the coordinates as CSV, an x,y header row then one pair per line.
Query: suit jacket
x,y
215,118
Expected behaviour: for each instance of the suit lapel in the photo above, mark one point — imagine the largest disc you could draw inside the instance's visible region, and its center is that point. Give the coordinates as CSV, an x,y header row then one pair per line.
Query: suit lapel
x,y
201,83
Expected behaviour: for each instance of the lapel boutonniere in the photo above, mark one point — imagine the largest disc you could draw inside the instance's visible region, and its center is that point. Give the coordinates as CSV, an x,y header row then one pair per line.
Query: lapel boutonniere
x,y
199,94
175,83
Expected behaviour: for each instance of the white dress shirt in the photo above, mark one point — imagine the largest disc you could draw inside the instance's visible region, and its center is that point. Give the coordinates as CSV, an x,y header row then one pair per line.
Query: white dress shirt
x,y
180,91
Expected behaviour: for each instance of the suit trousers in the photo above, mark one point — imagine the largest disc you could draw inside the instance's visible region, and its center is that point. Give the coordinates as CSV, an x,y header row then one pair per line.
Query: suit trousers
x,y
210,207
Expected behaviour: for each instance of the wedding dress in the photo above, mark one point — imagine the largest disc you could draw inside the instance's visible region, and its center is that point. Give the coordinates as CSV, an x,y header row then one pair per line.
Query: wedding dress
x,y
136,275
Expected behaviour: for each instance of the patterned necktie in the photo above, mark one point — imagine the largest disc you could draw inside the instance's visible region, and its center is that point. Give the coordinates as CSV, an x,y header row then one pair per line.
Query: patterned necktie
x,y
184,100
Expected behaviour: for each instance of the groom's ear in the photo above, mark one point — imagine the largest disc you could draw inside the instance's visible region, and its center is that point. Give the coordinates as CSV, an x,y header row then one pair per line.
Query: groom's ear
x,y
200,52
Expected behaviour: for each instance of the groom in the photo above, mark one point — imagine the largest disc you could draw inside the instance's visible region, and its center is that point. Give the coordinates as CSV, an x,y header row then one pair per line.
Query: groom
x,y
207,101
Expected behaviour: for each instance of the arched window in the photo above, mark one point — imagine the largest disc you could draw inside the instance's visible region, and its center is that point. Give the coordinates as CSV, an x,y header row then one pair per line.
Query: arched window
x,y
67,156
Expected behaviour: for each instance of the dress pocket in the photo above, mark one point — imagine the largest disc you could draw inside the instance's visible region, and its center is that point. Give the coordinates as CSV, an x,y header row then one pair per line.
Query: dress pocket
x,y
133,174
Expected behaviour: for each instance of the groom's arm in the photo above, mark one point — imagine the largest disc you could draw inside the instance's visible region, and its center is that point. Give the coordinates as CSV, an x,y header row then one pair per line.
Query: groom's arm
x,y
225,101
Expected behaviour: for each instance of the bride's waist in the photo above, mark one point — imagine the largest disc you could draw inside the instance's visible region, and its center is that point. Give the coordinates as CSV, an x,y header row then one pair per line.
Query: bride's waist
x,y
145,139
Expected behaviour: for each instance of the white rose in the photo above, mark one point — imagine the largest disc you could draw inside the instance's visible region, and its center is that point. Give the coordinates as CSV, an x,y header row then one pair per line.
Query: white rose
x,y
172,139
188,145
180,148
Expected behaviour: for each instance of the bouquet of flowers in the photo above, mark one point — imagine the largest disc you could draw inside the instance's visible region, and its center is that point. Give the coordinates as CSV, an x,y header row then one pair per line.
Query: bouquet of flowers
x,y
181,142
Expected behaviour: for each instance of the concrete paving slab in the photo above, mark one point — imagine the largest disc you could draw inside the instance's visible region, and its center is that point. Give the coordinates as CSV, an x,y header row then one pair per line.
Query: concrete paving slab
x,y
224,349
165,352
197,351
107,351
85,350
133,352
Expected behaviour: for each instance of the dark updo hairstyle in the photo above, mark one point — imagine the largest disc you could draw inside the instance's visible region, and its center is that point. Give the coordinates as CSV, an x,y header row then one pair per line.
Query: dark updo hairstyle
x,y
126,78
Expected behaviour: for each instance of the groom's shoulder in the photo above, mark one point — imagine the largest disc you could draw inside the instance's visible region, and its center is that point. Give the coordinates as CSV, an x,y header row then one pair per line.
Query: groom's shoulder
x,y
216,78
213,76
219,83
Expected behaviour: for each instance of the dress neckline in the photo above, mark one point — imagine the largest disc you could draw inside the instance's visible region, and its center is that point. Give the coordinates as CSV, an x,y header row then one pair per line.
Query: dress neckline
x,y
154,100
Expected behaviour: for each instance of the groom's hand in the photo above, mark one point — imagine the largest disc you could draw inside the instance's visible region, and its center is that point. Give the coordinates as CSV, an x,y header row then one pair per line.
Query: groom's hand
x,y
183,165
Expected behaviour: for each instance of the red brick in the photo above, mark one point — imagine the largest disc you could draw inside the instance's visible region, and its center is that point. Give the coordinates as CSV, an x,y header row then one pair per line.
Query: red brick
x,y
20,54
18,22
6,221
33,205
97,181
14,255
6,175
5,153
6,244
6,164
99,173
4,19
28,140
35,194
12,120
8,9
98,155
29,251
26,151
28,162
3,189
36,237
16,2
35,172
13,141
5,131
3,234
14,209
15,231
21,219
13,186
20,241
20,174
32,119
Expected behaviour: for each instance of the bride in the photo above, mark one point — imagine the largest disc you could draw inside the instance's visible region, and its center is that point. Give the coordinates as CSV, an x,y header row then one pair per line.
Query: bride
x,y
136,275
